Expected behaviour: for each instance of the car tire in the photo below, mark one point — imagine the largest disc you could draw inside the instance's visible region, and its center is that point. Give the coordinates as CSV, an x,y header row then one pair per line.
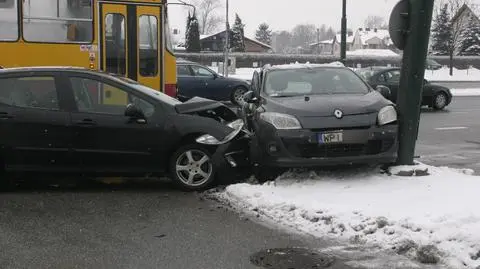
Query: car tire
x,y
237,95
192,169
439,101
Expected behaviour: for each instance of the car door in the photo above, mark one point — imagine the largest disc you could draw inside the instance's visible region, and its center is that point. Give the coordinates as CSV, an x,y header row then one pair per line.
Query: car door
x,y
215,87
186,82
106,140
35,131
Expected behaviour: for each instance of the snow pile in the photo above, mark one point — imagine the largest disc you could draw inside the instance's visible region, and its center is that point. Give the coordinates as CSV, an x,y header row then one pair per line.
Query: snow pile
x,y
443,74
432,218
372,52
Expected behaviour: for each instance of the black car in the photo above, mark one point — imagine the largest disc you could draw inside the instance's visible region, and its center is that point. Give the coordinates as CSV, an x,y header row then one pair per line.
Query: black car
x,y
434,96
315,116
56,120
196,80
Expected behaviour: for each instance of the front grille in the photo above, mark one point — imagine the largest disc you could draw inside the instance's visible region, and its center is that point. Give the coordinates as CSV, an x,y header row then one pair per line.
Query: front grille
x,y
338,150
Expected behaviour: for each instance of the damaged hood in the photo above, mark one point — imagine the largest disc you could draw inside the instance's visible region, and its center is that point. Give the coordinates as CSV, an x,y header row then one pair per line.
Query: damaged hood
x,y
198,104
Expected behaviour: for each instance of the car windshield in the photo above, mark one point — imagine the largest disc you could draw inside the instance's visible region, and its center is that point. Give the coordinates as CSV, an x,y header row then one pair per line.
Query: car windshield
x,y
316,81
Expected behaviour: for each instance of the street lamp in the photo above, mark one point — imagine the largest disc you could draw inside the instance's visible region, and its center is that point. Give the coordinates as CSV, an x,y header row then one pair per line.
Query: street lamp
x,y
227,43
343,50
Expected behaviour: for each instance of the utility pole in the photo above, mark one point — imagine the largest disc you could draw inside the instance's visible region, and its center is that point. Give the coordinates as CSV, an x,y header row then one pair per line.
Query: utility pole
x,y
412,74
343,49
318,41
227,43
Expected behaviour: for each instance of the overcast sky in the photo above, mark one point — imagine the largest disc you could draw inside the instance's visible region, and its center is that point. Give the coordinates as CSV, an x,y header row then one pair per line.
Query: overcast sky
x,y
285,14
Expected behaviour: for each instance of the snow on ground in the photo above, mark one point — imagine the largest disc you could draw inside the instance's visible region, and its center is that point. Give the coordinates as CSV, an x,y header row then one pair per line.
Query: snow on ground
x,y
443,74
372,52
471,74
406,214
465,92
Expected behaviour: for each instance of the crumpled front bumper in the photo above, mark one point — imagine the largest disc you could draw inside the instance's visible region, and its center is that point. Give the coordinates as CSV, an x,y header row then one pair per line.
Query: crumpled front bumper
x,y
232,160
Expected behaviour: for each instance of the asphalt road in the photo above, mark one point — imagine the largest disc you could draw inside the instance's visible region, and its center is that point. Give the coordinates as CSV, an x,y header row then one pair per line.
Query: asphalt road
x,y
459,84
83,224
451,137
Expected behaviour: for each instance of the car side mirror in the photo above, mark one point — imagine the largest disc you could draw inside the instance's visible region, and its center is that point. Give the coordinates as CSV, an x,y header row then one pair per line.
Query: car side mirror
x,y
385,91
134,112
249,97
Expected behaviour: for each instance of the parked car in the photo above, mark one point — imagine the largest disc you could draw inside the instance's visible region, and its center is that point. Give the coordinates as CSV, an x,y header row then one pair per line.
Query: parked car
x,y
55,120
435,96
197,80
317,116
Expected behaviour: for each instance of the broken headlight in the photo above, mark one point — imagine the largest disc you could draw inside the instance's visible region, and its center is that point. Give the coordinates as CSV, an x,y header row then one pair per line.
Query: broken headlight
x,y
210,140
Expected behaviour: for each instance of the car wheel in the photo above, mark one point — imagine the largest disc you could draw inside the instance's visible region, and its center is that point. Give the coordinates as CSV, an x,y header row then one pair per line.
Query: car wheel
x,y
191,168
237,95
439,101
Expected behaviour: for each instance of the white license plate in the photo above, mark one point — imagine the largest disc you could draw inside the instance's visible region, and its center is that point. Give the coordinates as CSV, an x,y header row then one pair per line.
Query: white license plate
x,y
327,138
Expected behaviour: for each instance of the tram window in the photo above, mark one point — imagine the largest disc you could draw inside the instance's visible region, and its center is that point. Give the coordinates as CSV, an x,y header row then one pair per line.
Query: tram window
x,y
148,48
115,44
8,20
58,21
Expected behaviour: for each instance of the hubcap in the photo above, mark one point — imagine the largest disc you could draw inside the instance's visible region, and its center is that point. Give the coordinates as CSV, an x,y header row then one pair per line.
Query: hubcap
x,y
193,168
440,100
238,95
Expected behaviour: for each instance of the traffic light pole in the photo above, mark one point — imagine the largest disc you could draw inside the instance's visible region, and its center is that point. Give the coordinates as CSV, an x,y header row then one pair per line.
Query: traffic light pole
x,y
343,48
411,81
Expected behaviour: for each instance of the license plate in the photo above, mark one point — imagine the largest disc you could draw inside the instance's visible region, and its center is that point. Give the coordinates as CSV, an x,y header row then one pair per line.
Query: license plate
x,y
327,138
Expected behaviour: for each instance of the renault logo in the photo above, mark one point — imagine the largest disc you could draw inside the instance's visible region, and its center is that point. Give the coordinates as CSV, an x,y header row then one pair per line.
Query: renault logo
x,y
338,113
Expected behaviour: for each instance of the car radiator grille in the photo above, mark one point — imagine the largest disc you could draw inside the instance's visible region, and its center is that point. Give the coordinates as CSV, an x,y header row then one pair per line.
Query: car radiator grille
x,y
339,150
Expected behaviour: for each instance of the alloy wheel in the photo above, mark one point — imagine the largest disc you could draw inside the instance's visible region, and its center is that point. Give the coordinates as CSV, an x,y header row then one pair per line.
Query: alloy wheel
x,y
194,168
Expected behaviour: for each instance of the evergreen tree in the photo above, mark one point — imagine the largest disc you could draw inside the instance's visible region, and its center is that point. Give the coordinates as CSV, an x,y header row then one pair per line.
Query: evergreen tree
x,y
470,45
264,34
237,40
192,40
442,32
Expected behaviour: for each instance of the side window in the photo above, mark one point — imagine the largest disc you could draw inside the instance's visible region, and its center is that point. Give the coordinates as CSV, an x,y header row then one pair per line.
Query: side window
x,y
29,92
90,98
8,20
58,21
148,48
183,70
115,48
201,72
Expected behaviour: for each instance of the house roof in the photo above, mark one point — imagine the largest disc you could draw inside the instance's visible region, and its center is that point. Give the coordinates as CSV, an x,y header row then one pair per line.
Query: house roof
x,y
462,10
250,39
372,33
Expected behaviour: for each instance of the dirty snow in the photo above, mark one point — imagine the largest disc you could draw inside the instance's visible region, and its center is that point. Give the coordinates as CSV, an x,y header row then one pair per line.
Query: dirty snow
x,y
435,214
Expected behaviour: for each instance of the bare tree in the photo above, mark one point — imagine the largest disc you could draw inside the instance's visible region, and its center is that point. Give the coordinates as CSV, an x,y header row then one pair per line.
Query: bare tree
x,y
303,35
375,22
208,18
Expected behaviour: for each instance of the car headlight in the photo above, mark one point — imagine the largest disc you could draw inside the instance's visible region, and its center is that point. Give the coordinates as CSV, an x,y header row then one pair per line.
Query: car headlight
x,y
210,140
387,115
281,121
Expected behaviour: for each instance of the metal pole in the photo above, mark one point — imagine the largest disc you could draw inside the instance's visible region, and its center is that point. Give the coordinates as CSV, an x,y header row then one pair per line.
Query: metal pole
x,y
343,50
318,40
411,81
227,43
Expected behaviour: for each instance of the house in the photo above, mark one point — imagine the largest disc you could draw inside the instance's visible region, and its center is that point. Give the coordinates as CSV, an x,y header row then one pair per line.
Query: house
x,y
461,20
216,42
332,46
374,38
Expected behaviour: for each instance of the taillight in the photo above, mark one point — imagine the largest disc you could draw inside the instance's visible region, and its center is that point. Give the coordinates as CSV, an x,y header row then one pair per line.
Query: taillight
x,y
171,90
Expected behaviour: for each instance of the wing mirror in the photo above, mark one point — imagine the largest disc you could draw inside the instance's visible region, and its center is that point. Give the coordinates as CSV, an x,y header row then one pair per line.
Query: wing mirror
x,y
385,91
250,97
134,112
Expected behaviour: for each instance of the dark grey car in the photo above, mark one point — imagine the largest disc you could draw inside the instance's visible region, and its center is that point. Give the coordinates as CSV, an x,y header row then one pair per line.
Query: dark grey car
x,y
316,116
